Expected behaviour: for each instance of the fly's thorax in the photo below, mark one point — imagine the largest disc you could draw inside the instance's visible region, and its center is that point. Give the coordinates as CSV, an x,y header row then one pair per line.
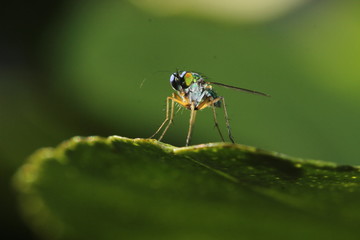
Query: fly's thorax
x,y
198,91
194,93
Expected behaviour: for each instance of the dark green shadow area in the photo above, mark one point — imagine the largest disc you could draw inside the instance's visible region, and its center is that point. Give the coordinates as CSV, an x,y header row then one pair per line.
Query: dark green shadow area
x,y
120,188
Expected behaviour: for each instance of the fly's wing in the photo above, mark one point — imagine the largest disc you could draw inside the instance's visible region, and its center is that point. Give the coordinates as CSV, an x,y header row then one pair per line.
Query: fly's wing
x,y
240,89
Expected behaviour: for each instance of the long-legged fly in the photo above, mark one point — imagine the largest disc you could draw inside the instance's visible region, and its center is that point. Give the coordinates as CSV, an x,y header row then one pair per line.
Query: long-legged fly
x,y
194,93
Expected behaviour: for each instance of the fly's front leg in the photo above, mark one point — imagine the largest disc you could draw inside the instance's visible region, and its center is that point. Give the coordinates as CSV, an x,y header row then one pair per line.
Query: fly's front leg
x,y
171,117
166,118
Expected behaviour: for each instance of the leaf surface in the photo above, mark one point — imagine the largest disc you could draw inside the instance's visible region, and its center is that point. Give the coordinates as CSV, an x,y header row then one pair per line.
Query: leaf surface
x,y
120,188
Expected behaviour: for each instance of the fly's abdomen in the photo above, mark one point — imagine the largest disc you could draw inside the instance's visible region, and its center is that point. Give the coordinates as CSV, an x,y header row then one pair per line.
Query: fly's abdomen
x,y
211,93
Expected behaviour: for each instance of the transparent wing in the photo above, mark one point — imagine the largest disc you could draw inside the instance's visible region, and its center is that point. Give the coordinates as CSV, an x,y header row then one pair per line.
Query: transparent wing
x,y
240,89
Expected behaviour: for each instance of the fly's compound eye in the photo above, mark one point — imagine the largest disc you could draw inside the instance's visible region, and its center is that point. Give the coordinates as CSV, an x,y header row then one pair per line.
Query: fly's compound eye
x,y
175,81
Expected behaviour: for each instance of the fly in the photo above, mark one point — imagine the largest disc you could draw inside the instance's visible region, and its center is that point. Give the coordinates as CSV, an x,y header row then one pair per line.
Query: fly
x,y
194,93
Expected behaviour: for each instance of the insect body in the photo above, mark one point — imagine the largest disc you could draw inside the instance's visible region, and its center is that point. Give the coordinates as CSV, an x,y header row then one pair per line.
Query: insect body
x,y
194,93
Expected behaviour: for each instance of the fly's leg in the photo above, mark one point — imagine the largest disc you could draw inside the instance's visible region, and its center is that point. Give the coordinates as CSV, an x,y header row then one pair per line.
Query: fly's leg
x,y
166,118
227,121
170,119
191,124
175,98
216,122
211,102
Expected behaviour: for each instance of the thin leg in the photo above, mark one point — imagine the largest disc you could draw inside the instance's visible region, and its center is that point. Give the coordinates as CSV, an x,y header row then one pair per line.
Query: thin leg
x,y
216,122
174,98
170,119
166,118
227,121
210,102
192,121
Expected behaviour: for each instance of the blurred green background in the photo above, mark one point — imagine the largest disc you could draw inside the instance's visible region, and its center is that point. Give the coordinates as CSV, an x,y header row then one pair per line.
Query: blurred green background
x,y
103,67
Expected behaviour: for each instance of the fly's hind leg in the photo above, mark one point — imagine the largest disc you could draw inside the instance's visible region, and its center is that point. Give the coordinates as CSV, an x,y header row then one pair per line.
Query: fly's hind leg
x,y
216,122
227,121
211,102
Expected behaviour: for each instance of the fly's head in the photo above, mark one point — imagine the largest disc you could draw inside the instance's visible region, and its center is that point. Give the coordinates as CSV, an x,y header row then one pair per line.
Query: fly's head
x,y
182,80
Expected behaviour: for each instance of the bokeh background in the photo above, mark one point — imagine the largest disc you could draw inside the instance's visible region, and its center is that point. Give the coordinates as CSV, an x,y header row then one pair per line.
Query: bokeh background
x,y
102,68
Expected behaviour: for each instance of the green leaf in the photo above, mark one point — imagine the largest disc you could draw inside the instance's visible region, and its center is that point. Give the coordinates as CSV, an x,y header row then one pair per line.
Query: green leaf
x,y
120,188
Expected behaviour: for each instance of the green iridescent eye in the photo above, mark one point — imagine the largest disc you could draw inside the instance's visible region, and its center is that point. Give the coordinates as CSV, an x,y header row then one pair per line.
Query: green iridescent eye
x,y
189,78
